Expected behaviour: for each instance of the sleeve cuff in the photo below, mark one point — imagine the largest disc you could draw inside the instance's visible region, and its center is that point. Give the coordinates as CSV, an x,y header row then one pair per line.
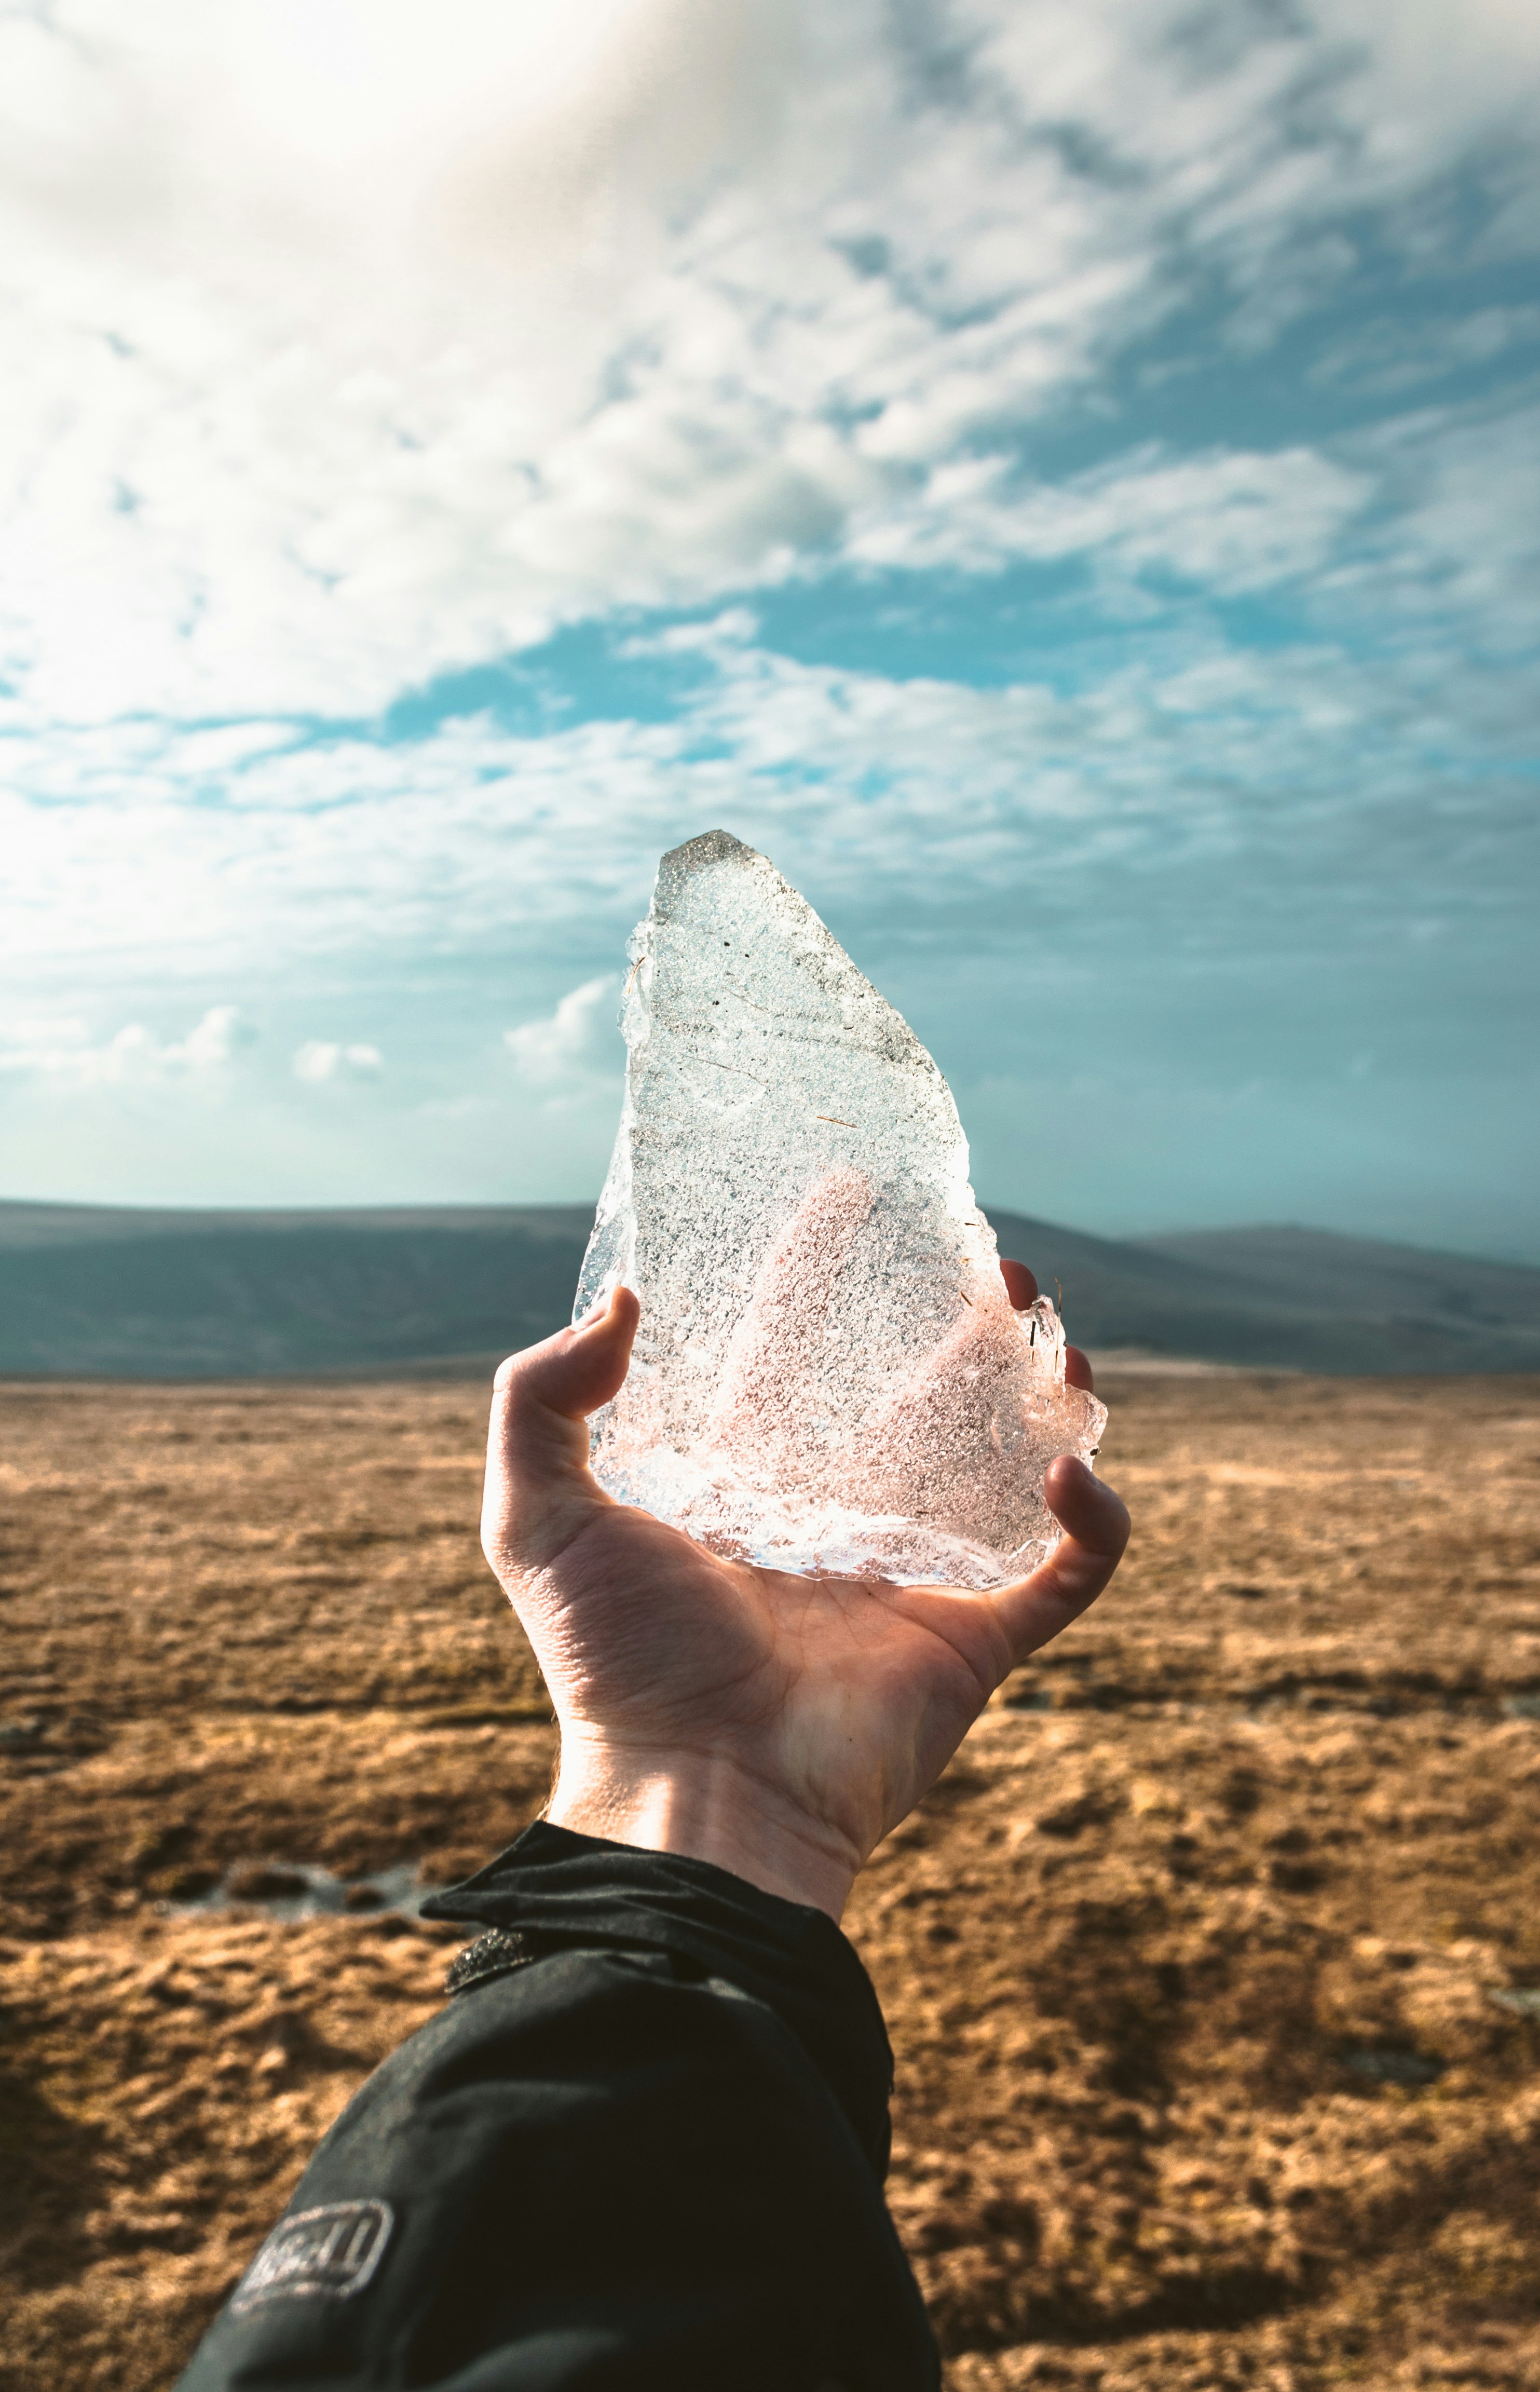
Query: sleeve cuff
x,y
555,1890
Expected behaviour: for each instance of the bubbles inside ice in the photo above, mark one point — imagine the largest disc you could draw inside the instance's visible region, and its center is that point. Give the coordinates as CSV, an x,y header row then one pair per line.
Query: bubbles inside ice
x,y
828,1374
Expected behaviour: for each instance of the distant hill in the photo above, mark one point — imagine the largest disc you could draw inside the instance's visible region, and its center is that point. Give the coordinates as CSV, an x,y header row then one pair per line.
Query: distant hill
x,y
195,1295
89,1290
1455,1296
1287,1299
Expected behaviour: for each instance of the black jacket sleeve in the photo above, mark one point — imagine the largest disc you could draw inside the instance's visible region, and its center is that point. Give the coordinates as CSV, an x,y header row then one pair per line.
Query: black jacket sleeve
x,y
642,2146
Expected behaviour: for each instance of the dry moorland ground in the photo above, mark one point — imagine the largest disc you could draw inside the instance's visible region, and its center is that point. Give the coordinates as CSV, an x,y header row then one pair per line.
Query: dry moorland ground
x,y
1209,1965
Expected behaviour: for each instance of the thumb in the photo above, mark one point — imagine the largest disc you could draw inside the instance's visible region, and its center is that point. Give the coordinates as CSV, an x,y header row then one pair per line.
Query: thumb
x,y
539,1490
1095,1525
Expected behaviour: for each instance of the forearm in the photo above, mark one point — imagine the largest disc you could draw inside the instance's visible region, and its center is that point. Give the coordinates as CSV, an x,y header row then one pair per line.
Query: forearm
x,y
705,1806
642,2146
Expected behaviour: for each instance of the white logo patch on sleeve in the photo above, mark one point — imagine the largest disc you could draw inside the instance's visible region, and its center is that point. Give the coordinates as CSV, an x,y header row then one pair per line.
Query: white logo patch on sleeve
x,y
320,2253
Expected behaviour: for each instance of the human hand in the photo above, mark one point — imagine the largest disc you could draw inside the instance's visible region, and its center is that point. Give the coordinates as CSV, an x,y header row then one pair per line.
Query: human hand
x,y
778,1726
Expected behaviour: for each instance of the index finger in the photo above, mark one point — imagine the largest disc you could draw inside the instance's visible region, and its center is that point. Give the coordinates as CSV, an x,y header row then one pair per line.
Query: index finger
x,y
1021,1283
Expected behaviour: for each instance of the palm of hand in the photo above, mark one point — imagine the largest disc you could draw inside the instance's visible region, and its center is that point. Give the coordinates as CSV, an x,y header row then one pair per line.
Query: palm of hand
x,y
842,1696
781,1723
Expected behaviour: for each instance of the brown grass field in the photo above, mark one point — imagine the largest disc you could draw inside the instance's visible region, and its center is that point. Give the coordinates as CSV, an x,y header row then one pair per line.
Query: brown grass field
x,y
1194,1961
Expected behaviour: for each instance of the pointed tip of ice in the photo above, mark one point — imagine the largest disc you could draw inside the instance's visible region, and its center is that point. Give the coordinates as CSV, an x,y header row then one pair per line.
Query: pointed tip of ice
x,y
712,847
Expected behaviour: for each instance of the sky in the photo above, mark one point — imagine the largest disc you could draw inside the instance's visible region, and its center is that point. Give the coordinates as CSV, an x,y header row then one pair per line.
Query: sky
x,y
1063,480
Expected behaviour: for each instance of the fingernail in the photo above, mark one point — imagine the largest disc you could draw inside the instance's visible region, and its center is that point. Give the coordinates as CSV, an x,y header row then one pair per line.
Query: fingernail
x,y
598,1310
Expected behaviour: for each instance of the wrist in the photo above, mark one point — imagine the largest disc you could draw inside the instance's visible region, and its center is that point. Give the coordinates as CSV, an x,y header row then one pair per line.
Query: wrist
x,y
706,1807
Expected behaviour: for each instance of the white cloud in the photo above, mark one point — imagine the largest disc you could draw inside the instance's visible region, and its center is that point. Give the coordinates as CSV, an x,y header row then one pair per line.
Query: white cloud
x,y
349,344
352,344
1392,353
1232,520
572,1047
134,1055
1459,542
895,795
323,1059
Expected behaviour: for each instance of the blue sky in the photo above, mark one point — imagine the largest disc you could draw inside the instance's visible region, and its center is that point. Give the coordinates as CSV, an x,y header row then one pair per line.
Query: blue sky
x,y
1064,481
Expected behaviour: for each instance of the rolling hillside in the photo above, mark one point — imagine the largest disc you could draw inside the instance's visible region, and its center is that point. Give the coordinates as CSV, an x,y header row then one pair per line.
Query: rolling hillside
x,y
97,1292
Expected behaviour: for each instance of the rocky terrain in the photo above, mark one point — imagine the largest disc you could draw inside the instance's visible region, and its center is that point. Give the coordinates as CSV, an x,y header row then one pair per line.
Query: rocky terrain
x,y
1211,1966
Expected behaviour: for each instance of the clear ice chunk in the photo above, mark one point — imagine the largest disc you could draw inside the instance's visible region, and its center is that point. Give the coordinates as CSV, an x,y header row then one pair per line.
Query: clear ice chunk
x,y
828,1374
